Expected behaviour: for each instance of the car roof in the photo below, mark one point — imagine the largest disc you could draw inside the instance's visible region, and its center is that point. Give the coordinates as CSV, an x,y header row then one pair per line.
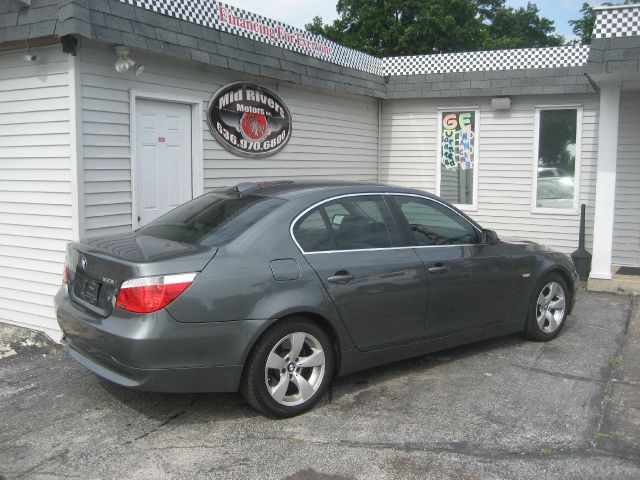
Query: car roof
x,y
288,189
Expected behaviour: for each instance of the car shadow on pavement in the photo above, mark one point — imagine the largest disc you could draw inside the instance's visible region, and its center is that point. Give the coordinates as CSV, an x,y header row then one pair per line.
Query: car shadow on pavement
x,y
174,406
186,408
352,383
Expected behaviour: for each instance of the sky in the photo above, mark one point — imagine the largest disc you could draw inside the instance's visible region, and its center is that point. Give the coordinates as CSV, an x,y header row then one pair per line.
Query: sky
x,y
299,12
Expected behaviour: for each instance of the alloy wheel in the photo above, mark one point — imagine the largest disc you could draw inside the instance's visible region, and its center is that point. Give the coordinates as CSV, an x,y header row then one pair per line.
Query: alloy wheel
x,y
295,369
550,307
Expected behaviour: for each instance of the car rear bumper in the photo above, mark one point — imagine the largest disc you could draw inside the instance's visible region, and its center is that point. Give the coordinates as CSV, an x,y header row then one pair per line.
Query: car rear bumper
x,y
155,352
174,380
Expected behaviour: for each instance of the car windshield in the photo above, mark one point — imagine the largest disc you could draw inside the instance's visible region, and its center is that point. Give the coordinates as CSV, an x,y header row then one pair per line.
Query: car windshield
x,y
213,219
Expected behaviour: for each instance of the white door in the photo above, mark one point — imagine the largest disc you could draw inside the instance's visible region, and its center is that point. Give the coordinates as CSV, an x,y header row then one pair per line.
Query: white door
x,y
163,158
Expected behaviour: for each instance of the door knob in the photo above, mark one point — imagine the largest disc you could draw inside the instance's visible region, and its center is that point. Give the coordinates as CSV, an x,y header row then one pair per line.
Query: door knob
x,y
438,268
340,277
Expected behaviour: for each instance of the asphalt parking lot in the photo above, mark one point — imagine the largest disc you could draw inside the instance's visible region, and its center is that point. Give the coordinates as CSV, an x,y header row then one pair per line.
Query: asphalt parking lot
x,y
505,408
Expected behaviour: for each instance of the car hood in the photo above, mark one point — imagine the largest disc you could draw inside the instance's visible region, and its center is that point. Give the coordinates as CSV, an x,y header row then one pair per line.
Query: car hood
x,y
520,245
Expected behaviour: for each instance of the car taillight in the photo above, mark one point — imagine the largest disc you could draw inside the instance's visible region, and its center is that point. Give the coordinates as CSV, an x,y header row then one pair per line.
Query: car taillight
x,y
65,275
149,294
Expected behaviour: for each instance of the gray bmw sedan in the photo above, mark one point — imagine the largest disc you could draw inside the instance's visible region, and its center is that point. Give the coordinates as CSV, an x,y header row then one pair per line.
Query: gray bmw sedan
x,y
274,288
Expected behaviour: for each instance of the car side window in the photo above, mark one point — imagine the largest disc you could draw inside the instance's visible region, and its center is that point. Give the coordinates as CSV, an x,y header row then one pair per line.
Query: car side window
x,y
312,233
350,223
434,224
362,222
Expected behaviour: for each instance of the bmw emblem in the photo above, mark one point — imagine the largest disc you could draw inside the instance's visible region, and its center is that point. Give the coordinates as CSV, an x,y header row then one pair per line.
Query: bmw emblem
x,y
83,263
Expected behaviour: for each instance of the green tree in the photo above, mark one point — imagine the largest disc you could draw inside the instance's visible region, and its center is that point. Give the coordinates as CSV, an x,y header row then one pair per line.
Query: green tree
x,y
412,27
518,28
583,27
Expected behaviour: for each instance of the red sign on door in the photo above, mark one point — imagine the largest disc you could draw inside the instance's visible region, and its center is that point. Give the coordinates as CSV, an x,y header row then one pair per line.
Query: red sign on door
x,y
161,139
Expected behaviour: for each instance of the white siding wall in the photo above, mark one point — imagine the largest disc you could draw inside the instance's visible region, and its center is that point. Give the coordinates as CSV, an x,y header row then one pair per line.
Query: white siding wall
x,y
626,227
333,136
36,219
505,150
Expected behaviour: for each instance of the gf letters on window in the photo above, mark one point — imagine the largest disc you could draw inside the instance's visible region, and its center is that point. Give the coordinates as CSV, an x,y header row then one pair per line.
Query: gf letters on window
x,y
458,140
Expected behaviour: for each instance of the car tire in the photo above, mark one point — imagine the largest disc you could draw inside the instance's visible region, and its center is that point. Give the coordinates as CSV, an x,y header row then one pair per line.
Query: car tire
x,y
289,368
548,308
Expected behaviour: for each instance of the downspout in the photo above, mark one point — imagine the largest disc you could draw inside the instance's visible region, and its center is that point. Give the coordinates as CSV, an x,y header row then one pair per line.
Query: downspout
x,y
379,138
75,142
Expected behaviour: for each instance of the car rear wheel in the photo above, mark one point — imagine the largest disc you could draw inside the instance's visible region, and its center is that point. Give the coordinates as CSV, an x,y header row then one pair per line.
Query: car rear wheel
x,y
548,309
289,368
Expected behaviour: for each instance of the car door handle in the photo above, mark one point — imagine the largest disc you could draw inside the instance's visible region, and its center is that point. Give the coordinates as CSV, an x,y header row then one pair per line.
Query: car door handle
x,y
438,268
340,277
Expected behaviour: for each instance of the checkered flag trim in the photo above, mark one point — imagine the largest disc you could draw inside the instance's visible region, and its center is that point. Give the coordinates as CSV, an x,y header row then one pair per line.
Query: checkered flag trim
x,y
552,57
237,21
623,21
194,11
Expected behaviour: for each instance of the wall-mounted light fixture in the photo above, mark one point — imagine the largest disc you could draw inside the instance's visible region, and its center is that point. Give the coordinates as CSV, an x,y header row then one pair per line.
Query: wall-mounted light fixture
x,y
501,103
30,56
124,63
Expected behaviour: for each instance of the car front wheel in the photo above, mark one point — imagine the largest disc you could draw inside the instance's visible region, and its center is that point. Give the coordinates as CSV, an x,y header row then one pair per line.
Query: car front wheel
x,y
289,368
548,309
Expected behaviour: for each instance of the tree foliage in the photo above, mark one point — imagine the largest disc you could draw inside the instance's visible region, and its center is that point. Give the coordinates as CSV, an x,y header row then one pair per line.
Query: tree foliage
x,y
518,28
583,27
411,27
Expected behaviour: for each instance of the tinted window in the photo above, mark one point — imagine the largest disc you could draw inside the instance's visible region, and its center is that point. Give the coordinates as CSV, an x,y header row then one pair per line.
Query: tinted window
x,y
350,223
434,224
212,219
312,233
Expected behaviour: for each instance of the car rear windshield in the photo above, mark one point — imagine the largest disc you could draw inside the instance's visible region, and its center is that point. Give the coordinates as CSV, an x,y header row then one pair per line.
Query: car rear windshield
x,y
213,219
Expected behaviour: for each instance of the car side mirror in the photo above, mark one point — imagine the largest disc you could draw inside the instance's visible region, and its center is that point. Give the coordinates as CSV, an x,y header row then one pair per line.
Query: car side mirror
x,y
489,237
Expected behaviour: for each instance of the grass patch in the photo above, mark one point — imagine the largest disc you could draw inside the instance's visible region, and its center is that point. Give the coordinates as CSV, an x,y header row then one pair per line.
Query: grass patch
x,y
616,362
545,452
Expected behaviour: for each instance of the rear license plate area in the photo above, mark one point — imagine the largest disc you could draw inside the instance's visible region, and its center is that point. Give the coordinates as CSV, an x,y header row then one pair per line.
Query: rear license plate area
x,y
87,289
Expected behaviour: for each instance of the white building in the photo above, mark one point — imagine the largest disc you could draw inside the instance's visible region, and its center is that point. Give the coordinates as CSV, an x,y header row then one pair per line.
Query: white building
x,y
535,132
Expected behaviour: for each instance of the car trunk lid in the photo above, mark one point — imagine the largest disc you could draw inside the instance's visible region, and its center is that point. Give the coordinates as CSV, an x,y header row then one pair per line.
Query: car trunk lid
x,y
99,267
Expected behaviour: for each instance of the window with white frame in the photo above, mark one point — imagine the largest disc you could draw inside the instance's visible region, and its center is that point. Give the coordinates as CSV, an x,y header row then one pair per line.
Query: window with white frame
x,y
556,158
457,156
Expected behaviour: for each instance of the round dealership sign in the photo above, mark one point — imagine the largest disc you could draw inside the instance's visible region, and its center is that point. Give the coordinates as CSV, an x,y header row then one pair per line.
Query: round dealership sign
x,y
249,120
